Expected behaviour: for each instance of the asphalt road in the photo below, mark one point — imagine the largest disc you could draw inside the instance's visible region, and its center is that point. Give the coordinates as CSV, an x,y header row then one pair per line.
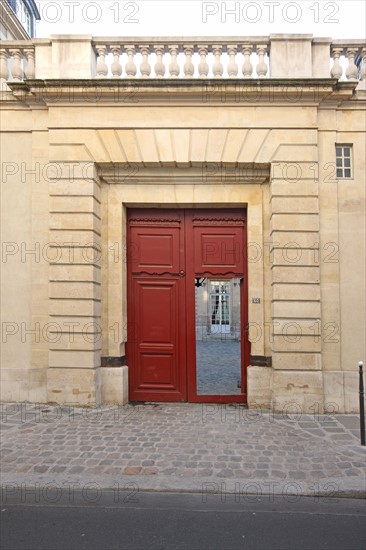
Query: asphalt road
x,y
163,521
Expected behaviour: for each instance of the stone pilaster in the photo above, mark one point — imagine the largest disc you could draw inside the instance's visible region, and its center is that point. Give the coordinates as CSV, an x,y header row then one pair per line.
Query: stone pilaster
x,y
296,312
75,297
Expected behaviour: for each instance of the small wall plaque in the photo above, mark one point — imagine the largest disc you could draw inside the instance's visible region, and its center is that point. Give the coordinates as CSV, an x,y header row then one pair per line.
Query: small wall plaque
x,y
256,300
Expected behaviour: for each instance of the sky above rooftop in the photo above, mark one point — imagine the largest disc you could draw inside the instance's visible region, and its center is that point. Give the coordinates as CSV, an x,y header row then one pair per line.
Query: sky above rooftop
x,y
340,19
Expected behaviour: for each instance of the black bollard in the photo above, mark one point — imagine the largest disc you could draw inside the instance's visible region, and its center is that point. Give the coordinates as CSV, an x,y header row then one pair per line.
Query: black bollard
x,y
362,404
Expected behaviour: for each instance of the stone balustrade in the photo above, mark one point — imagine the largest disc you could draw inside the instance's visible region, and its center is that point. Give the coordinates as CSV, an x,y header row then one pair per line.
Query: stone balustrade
x,y
353,51
17,60
172,58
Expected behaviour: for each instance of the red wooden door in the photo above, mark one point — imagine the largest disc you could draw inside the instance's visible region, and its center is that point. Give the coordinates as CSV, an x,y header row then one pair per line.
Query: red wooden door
x,y
167,250
156,349
215,249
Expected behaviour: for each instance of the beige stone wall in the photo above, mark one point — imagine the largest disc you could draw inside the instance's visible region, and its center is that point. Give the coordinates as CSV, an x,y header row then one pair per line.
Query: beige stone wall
x,y
102,159
16,297
343,260
24,266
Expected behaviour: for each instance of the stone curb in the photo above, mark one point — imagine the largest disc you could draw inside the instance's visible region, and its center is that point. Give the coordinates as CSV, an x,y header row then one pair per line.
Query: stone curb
x,y
330,488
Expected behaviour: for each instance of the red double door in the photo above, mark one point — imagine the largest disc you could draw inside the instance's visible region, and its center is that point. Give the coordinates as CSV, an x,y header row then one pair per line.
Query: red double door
x,y
167,251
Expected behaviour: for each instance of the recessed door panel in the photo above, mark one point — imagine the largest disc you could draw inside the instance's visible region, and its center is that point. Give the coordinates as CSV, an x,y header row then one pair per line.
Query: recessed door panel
x,y
217,238
158,310
157,369
218,251
155,250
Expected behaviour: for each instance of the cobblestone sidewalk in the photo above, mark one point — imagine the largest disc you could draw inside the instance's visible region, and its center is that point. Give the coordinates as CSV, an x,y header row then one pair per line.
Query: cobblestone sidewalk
x,y
185,447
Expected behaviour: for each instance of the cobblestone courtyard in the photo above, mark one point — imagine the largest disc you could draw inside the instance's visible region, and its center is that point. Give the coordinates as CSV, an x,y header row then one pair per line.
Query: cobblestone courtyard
x,y
218,367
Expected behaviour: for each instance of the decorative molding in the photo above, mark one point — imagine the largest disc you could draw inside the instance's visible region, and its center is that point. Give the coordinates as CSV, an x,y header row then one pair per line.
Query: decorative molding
x,y
231,221
211,274
202,173
153,221
201,91
158,274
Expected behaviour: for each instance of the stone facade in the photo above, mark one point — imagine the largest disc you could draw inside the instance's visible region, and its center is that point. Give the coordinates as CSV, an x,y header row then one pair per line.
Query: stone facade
x,y
79,148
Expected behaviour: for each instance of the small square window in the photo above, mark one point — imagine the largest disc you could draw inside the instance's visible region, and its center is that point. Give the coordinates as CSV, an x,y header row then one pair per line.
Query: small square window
x,y
343,161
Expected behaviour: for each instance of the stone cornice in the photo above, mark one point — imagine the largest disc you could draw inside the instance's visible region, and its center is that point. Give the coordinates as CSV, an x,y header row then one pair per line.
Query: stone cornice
x,y
235,92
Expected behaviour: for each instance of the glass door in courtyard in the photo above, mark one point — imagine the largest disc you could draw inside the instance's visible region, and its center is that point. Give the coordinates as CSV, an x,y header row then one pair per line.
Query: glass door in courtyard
x,y
220,306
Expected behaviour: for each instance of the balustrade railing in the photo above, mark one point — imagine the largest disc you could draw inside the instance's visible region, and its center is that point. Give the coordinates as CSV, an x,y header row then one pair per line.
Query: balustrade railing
x,y
17,60
173,58
353,55
183,58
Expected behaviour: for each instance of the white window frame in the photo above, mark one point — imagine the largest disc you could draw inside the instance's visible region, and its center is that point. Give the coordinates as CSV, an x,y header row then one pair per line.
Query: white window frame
x,y
218,299
344,162
24,16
